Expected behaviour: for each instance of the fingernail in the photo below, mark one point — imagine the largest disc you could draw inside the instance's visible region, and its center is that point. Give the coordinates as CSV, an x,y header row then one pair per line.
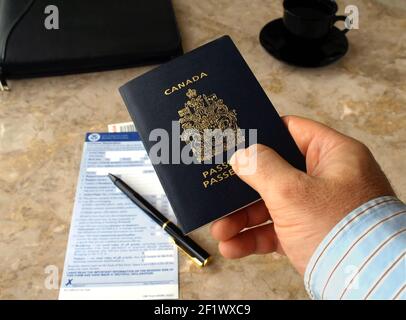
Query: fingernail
x,y
236,157
244,161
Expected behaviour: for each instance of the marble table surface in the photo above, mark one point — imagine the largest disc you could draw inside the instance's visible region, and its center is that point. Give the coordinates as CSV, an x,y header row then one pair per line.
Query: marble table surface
x,y
43,121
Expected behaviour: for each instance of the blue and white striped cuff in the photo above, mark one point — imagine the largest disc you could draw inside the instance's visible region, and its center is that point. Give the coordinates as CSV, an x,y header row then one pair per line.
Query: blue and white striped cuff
x,y
363,257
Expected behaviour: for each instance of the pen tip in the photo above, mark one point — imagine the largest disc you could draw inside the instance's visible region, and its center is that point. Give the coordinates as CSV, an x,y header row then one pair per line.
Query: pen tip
x,y
112,177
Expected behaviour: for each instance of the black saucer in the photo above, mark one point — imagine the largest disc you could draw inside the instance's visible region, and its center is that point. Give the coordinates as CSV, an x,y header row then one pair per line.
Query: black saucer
x,y
284,46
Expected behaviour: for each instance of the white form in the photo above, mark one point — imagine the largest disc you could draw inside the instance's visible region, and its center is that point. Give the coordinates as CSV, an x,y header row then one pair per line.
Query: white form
x,y
115,251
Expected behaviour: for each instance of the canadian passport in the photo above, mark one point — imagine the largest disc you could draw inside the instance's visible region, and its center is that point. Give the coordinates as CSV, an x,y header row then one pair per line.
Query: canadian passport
x,y
210,87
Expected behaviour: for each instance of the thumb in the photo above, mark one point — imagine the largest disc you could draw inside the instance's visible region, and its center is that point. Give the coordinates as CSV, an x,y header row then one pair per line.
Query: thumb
x,y
265,170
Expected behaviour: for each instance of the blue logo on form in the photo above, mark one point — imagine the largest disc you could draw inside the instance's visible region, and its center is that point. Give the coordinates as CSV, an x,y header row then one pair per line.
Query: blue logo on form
x,y
94,137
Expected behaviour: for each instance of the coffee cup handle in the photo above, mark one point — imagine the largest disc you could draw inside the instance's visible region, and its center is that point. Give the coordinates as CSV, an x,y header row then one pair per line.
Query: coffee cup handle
x,y
342,18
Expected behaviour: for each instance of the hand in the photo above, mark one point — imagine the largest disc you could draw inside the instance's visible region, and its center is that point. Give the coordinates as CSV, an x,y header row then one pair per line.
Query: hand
x,y
341,175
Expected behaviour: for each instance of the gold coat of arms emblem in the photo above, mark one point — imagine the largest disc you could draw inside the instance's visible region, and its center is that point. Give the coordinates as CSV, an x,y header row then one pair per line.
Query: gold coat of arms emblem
x,y
209,126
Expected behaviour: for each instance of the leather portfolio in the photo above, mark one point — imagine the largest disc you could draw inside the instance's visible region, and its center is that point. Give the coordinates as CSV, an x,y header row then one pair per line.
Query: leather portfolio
x,y
43,38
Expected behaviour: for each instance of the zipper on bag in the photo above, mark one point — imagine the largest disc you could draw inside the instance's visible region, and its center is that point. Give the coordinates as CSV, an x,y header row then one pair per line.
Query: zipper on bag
x,y
3,81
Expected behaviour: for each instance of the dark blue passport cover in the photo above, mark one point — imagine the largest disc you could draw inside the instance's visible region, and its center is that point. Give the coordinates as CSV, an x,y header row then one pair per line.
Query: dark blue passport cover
x,y
154,100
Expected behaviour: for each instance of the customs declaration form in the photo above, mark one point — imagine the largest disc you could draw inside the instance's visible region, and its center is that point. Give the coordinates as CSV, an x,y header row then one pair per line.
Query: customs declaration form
x,y
114,250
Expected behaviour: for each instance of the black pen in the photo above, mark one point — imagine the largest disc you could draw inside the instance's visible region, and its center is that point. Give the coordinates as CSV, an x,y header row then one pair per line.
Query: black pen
x,y
198,255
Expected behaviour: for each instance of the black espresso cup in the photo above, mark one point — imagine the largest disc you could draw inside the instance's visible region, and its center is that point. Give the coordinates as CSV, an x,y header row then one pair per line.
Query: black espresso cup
x,y
310,19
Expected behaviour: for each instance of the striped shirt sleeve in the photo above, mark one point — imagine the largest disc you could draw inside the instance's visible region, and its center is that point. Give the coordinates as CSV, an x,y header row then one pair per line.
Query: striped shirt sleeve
x,y
363,257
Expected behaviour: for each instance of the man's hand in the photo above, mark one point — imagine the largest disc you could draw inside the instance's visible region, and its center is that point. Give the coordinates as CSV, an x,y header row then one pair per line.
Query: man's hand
x,y
341,175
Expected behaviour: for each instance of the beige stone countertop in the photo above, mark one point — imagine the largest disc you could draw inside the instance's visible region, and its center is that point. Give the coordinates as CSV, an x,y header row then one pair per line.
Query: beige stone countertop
x,y
43,122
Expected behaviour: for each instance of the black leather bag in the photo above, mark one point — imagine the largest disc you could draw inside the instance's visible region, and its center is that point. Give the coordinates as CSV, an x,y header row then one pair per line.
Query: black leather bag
x,y
86,35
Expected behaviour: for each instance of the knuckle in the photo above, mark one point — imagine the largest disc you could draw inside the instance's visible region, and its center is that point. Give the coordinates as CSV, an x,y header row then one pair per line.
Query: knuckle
x,y
363,149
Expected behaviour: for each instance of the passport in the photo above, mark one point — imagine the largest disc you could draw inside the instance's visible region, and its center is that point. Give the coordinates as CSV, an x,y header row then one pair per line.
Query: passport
x,y
207,88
